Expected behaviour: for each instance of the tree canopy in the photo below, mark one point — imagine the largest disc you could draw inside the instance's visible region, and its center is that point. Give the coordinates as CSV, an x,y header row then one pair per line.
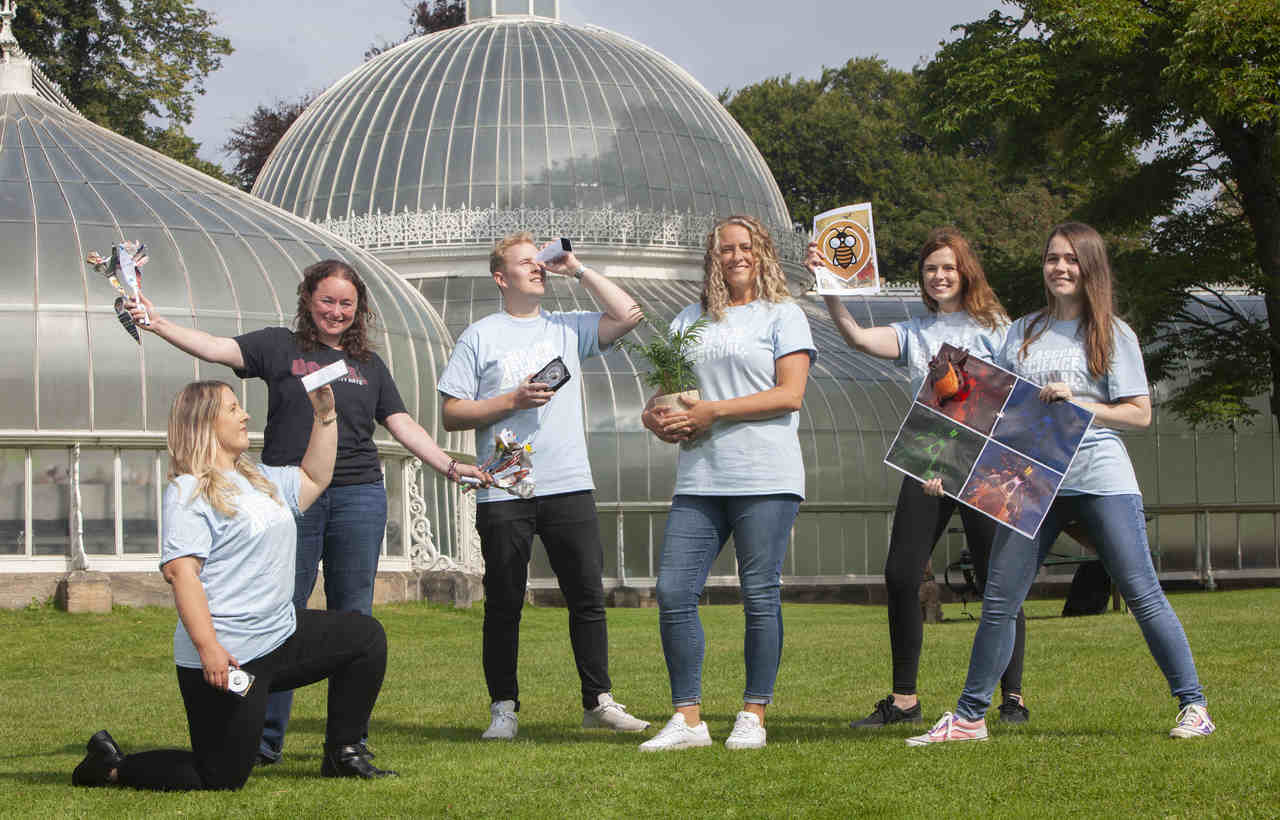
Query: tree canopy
x,y
135,67
855,134
252,142
1169,109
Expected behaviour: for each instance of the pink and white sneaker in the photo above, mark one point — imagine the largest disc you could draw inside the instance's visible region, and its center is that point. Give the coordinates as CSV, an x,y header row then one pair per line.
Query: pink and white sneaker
x,y
950,728
1193,721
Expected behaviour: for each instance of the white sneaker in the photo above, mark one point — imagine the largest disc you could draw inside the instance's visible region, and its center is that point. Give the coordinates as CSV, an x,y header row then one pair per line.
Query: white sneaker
x,y
1193,721
747,733
504,723
609,714
678,735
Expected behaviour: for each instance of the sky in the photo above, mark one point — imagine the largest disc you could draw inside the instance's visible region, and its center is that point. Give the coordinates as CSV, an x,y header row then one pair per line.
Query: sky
x,y
280,54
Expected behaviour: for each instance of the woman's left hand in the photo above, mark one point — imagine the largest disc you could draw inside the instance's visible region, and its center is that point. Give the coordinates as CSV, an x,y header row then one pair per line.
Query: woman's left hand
x,y
699,415
323,401
1055,391
932,487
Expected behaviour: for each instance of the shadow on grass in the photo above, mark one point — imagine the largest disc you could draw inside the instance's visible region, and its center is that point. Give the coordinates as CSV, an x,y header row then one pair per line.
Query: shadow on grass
x,y
543,731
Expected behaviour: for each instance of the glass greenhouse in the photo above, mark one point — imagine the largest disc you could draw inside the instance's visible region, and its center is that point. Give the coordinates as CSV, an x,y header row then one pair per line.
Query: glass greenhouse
x,y
82,426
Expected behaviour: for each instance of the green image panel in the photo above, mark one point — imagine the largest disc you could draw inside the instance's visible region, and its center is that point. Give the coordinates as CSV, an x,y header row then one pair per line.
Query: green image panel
x,y
931,446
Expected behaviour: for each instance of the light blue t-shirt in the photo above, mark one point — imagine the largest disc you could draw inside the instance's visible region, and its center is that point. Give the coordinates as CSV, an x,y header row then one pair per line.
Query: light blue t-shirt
x,y
248,562
735,357
921,337
1102,465
498,352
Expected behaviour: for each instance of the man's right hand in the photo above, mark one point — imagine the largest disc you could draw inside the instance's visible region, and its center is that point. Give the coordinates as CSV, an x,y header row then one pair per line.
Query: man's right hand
x,y
531,394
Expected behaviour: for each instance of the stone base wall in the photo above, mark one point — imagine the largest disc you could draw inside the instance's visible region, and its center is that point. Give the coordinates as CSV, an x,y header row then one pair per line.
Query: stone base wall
x,y
81,591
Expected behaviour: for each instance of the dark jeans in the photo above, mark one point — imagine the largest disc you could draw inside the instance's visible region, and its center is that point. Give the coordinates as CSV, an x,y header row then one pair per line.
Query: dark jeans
x,y
918,522
347,648
567,525
343,528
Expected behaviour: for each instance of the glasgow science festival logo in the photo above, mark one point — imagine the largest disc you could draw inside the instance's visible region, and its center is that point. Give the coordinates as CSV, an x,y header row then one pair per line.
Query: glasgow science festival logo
x,y
847,248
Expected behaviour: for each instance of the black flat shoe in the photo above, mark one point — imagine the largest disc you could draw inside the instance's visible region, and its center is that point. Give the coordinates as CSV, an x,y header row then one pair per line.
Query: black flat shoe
x,y
103,756
351,761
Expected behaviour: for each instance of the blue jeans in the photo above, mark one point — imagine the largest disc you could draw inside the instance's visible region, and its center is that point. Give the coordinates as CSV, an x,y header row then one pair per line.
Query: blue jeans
x,y
1115,524
697,529
344,529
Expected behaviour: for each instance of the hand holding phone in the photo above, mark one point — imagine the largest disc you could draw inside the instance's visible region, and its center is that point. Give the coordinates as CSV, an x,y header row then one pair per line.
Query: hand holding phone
x,y
554,374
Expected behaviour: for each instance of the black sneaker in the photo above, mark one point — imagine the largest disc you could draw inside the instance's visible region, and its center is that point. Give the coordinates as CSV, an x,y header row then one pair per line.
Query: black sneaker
x,y
1012,711
886,713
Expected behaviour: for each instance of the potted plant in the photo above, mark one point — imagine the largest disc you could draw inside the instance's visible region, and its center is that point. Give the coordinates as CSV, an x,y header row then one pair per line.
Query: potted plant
x,y
667,354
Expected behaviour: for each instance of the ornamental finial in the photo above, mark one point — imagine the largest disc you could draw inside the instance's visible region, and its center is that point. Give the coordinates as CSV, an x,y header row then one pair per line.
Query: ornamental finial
x,y
8,43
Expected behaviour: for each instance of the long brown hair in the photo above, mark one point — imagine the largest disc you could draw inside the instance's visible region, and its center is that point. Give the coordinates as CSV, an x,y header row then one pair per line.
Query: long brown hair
x,y
194,447
978,300
770,282
1097,321
355,339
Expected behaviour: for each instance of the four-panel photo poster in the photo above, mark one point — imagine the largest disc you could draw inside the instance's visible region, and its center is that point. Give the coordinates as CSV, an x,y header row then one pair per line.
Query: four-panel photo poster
x,y
985,432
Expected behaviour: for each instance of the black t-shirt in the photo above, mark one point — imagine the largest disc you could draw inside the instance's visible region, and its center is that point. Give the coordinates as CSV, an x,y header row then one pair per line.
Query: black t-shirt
x,y
367,393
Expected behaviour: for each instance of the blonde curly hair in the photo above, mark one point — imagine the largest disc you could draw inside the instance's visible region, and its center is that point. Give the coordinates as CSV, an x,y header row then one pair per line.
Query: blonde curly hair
x,y
770,281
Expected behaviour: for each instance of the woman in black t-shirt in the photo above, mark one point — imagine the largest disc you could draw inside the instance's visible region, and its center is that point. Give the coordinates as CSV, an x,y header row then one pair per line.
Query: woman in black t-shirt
x,y
345,527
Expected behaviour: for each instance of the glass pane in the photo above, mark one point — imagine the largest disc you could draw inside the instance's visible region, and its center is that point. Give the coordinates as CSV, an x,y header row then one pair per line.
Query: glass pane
x,y
64,388
117,375
393,476
138,491
50,501
13,516
97,500
18,241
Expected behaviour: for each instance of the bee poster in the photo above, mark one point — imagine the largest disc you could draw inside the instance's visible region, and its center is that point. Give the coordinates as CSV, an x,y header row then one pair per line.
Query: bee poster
x,y
846,239
985,432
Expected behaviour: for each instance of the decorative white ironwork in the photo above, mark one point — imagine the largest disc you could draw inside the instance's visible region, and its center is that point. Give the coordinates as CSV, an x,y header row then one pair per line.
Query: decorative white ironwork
x,y
11,52
605,226
424,554
464,511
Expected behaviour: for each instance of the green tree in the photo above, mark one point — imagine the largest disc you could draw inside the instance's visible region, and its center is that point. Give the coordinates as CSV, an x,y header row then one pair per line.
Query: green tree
x,y
855,134
252,142
1159,106
135,68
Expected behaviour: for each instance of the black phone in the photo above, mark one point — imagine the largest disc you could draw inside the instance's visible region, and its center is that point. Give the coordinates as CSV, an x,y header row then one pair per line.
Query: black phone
x,y
554,374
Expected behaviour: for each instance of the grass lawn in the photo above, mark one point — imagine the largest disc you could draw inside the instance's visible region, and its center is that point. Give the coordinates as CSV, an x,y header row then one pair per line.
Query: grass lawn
x,y
1097,744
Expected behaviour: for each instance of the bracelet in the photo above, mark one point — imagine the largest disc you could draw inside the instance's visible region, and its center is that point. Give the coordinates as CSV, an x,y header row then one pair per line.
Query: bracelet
x,y
329,420
577,274
452,472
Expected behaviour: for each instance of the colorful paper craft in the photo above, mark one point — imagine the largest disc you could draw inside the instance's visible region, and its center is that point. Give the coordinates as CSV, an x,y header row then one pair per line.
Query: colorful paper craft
x,y
985,432
846,239
127,259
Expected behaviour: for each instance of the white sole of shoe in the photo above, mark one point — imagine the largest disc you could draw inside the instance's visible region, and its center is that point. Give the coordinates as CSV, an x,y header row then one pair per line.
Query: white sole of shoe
x,y
912,741
675,747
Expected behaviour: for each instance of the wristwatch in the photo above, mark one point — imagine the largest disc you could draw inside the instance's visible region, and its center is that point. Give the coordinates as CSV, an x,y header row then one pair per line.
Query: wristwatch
x,y
577,274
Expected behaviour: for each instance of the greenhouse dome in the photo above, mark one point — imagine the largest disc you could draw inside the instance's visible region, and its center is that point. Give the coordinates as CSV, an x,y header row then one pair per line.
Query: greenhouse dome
x,y
82,426
456,136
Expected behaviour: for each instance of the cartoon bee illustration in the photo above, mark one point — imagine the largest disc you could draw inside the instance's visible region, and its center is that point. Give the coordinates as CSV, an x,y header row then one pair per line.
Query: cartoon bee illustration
x,y
843,247
846,247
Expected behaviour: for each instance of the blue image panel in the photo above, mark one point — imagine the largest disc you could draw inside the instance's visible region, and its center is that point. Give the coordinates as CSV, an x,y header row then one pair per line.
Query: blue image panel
x,y
1047,432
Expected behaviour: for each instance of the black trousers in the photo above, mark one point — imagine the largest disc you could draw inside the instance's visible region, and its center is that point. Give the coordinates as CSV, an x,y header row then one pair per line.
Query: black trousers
x,y
348,648
918,522
569,530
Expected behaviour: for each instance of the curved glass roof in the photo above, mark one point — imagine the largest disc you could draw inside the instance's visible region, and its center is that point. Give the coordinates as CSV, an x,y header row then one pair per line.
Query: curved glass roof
x,y
220,260
518,113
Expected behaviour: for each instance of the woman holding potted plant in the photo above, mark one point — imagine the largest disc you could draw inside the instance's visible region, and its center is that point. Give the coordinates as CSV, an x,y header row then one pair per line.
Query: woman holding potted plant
x,y
739,472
